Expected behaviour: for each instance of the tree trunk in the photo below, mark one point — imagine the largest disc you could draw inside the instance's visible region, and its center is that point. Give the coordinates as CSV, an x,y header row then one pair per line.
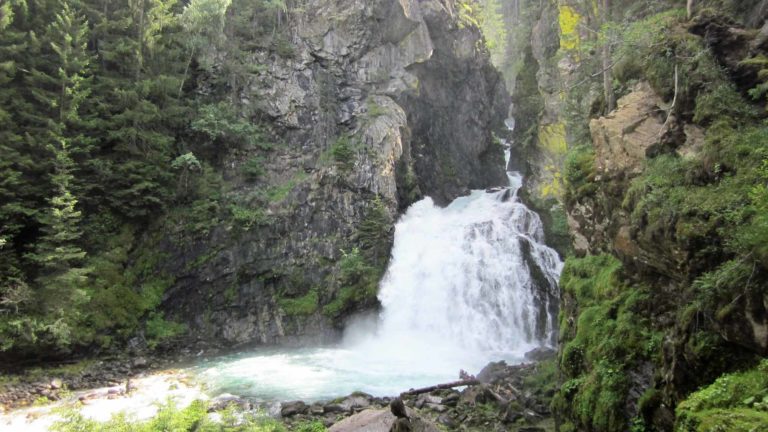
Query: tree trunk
x,y
610,97
689,8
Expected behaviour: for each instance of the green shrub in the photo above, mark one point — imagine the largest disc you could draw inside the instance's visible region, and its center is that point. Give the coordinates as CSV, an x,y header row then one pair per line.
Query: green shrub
x,y
302,306
343,153
221,123
246,217
159,329
580,171
253,168
359,282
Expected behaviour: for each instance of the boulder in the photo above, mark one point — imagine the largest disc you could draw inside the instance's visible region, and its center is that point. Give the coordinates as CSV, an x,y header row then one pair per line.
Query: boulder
x,y
290,409
226,400
380,420
540,354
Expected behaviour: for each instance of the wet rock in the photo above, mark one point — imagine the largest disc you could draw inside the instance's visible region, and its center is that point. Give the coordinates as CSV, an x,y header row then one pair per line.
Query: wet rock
x,y
540,354
224,401
356,402
452,399
290,409
447,421
56,384
316,409
333,408
493,372
381,420
139,362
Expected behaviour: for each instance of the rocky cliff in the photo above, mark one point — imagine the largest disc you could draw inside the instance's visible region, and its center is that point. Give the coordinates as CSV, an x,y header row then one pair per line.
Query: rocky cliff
x,y
664,291
377,104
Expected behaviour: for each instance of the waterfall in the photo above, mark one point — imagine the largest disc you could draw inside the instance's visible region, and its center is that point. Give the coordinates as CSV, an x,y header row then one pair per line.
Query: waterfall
x,y
464,277
467,284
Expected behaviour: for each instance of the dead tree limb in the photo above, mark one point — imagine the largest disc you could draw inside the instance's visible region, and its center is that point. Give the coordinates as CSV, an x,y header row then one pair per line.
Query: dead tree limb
x,y
414,392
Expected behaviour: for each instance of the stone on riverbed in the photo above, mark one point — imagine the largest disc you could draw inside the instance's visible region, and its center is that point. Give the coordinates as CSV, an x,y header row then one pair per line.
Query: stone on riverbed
x,y
290,409
380,420
226,400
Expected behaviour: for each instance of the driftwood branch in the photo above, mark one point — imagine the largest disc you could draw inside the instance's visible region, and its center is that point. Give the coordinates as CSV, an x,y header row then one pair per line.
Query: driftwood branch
x,y
671,108
413,392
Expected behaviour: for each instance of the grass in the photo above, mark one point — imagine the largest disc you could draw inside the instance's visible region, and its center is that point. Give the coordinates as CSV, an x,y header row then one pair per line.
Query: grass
x,y
193,418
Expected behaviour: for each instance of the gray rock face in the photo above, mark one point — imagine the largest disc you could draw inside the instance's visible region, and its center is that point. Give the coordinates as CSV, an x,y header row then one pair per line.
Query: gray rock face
x,y
415,101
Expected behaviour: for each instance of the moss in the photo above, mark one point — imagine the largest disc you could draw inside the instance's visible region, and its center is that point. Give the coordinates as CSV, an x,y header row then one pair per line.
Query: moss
x,y
301,306
734,402
609,336
580,172
569,20
543,382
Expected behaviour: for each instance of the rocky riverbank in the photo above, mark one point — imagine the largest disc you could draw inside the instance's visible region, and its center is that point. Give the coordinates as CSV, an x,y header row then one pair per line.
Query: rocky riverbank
x,y
54,382
506,398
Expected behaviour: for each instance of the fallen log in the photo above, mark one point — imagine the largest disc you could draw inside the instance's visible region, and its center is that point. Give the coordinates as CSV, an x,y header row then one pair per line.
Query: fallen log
x,y
414,392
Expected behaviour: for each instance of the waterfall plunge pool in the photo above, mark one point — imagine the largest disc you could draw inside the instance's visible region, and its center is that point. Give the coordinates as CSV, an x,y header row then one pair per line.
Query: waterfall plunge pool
x,y
458,294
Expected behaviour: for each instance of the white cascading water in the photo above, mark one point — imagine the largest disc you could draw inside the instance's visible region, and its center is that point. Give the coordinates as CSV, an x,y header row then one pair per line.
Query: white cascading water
x,y
459,275
459,293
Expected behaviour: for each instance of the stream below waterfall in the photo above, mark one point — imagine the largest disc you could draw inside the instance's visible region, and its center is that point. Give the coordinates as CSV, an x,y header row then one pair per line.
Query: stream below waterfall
x,y
460,291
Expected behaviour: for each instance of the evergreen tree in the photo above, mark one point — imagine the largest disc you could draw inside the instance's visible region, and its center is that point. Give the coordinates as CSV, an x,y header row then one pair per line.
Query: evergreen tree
x,y
60,258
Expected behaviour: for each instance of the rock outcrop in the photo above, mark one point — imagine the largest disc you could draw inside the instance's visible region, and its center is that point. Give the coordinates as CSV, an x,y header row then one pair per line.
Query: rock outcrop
x,y
379,104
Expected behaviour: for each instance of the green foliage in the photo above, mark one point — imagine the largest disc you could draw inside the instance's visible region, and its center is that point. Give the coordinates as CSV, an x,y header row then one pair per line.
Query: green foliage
x,y
679,67
373,109
193,418
301,306
343,153
713,206
246,217
253,168
606,331
159,329
359,282
314,426
279,193
375,233
543,382
222,124
734,402
580,171
103,138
